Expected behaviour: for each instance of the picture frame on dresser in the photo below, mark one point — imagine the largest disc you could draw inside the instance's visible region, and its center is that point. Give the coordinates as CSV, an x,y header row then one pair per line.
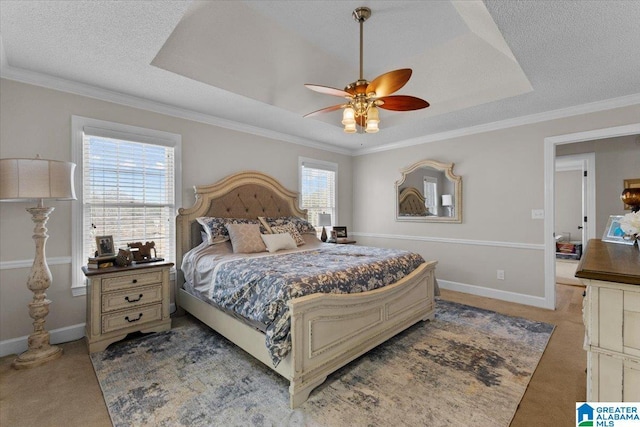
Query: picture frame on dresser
x,y
613,233
105,246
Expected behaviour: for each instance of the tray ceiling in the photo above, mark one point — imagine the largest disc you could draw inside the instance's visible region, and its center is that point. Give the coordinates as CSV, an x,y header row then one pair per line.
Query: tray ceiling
x,y
244,63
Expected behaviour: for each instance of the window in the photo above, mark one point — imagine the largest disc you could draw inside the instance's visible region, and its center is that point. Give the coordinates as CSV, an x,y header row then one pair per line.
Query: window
x,y
128,188
318,183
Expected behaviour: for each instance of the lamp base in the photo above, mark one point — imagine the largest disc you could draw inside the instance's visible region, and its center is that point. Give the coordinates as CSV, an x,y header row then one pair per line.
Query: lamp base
x,y
323,236
37,355
39,351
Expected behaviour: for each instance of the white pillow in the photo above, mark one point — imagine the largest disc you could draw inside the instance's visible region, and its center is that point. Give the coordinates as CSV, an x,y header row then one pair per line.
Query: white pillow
x,y
277,242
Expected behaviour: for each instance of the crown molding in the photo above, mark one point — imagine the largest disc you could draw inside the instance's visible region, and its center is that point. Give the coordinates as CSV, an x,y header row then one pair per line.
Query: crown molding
x,y
50,82
44,80
592,107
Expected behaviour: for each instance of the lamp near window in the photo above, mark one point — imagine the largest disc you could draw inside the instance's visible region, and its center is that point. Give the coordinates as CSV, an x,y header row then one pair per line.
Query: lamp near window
x,y
37,179
324,220
447,202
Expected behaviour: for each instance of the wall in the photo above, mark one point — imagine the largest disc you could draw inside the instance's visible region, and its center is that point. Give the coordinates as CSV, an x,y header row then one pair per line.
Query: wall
x,y
503,180
35,120
617,159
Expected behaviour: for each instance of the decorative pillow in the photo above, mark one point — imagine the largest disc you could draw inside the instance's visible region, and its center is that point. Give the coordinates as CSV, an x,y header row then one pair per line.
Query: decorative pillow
x,y
216,227
245,238
291,229
277,242
302,225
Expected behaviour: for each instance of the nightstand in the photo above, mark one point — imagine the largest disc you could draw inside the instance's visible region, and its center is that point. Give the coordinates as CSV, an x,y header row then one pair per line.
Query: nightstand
x,y
121,300
345,242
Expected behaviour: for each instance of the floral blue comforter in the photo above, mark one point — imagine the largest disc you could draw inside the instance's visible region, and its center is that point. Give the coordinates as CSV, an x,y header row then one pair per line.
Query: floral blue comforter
x,y
259,288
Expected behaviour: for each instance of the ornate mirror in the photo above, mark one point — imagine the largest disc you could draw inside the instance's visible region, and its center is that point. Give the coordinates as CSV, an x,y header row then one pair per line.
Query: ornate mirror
x,y
429,191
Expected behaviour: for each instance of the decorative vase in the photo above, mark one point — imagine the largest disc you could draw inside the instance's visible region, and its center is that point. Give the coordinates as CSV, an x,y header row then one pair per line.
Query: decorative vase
x,y
631,197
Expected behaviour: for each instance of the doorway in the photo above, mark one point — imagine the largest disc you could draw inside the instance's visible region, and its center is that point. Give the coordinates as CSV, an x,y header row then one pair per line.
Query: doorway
x,y
550,144
574,212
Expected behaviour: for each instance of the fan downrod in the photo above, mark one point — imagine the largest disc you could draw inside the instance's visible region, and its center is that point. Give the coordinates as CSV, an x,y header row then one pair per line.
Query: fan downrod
x,y
361,14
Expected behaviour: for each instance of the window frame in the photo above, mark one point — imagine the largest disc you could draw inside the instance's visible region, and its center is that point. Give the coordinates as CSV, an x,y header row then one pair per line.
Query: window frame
x,y
116,131
322,165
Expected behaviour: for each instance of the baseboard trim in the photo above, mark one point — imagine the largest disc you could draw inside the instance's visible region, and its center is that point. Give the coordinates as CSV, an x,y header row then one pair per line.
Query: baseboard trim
x,y
57,336
494,293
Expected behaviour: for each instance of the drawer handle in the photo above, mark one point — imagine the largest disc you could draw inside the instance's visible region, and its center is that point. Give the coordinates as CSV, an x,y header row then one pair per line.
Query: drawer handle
x,y
133,320
135,280
133,300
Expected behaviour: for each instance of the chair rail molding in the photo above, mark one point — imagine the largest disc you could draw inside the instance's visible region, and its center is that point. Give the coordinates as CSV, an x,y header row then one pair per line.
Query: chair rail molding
x,y
26,263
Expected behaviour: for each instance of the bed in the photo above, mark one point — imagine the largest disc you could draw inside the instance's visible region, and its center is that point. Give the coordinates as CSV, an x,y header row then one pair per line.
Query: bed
x,y
327,330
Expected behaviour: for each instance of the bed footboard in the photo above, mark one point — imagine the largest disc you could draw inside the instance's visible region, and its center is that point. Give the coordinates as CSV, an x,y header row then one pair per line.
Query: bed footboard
x,y
330,330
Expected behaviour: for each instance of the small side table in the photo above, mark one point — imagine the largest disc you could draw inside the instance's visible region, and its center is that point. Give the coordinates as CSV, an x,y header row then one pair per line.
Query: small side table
x,y
345,242
121,300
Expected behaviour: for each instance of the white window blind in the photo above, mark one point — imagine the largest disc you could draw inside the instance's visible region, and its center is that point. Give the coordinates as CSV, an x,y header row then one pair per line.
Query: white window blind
x,y
318,189
128,192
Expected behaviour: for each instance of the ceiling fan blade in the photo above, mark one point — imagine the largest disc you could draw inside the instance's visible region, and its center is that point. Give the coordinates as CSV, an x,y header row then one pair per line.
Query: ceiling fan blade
x,y
328,90
390,82
324,110
402,103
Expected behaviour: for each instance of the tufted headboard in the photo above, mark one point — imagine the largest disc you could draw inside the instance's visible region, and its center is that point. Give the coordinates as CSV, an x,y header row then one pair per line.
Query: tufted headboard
x,y
248,194
411,202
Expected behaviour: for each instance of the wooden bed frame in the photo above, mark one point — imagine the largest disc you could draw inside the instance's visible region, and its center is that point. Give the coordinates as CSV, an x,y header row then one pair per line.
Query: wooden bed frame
x,y
327,330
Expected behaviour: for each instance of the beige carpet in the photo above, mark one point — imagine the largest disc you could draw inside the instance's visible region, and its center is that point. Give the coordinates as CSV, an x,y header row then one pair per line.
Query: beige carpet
x,y
566,272
66,393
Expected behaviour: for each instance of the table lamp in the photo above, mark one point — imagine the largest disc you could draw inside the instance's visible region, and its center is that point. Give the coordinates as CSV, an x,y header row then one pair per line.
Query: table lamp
x,y
37,179
324,220
447,202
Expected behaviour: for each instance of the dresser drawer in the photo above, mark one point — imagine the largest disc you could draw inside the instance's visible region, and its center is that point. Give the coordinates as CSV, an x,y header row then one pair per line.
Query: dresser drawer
x,y
140,295
133,317
126,280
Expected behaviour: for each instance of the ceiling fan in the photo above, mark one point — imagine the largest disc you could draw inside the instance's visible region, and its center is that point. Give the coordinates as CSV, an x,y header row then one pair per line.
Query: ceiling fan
x,y
364,97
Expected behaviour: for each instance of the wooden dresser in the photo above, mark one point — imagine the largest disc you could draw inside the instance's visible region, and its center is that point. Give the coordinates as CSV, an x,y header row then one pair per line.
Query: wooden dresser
x,y
121,300
611,314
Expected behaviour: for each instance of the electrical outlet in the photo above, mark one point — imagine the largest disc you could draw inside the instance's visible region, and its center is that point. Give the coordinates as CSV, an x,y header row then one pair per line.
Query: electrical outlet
x,y
500,274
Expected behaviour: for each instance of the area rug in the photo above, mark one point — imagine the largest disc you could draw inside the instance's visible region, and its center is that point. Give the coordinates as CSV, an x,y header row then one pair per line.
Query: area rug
x,y
466,367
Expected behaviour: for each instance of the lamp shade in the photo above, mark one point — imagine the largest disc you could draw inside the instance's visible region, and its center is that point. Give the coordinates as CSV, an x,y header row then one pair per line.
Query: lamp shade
x,y
324,220
348,116
447,200
37,178
372,120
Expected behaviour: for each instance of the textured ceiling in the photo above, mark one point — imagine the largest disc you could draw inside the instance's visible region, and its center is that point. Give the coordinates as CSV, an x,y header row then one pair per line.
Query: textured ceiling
x,y
243,63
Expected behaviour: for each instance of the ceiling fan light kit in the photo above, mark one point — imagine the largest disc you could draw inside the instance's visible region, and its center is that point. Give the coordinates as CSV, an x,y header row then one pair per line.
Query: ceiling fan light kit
x,y
364,97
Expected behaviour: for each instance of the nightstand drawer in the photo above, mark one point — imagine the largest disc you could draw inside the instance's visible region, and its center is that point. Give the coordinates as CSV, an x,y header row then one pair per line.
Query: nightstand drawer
x,y
131,298
126,280
134,317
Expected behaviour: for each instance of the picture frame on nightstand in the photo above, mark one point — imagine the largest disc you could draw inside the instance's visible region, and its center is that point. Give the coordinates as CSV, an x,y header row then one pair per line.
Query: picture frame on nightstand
x,y
105,246
341,232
